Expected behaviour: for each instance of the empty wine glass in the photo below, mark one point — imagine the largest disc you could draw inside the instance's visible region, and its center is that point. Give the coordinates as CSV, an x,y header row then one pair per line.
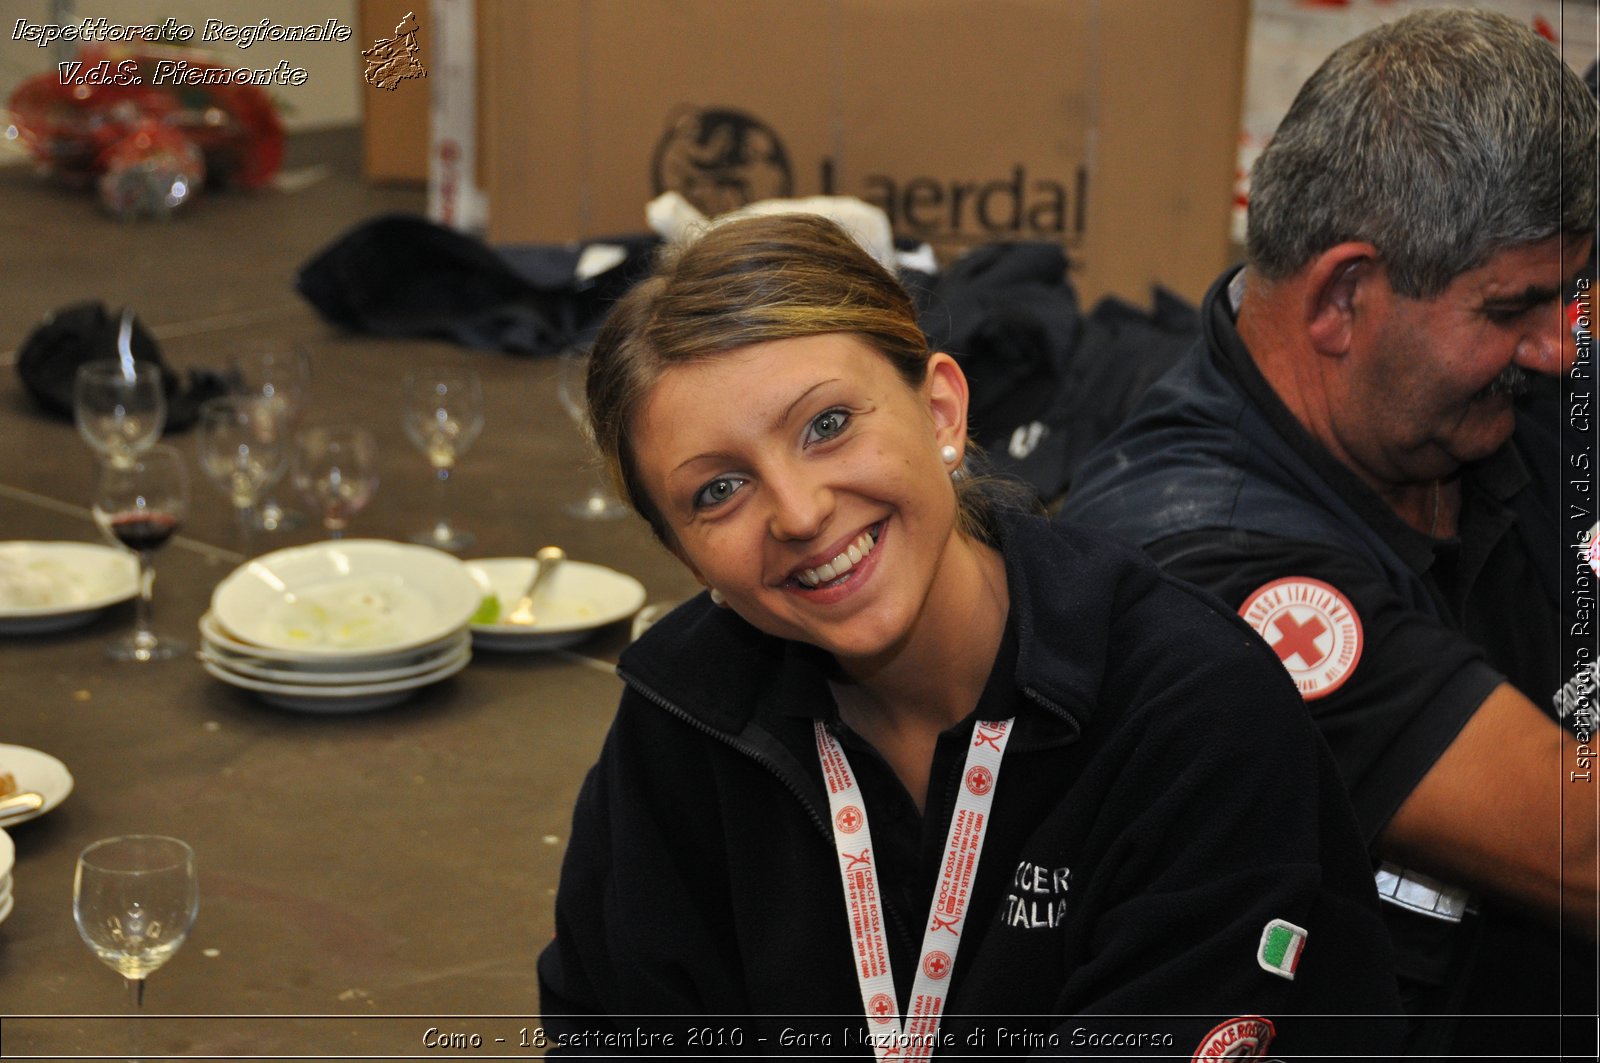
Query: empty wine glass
x,y
135,899
279,373
119,406
244,451
443,416
336,469
142,504
599,503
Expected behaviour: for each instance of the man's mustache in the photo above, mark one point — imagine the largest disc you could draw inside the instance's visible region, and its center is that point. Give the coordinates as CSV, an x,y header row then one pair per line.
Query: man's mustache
x,y
1512,381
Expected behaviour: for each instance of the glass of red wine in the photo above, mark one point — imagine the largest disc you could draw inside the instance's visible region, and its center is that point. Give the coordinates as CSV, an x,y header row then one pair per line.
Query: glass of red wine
x,y
142,503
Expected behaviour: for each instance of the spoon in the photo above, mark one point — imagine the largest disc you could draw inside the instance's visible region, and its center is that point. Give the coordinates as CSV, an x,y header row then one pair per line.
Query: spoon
x,y
20,804
549,559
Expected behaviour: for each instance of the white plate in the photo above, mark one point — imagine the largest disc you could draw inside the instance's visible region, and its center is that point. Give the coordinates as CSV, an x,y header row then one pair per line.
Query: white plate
x,y
216,638
579,599
346,692
36,771
54,586
255,668
349,597
8,856
5,908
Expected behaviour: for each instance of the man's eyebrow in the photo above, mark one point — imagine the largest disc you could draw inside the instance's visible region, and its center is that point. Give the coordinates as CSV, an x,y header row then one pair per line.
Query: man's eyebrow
x,y
1532,295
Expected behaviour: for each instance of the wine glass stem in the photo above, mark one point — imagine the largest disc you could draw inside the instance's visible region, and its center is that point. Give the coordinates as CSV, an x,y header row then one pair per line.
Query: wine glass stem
x,y
441,493
247,524
142,631
135,993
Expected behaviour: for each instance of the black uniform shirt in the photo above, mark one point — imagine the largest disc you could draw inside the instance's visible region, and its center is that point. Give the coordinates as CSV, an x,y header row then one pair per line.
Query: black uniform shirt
x,y
1419,677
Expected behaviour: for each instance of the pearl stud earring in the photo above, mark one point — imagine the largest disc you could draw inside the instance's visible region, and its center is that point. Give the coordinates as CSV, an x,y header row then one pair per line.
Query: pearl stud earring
x,y
949,454
717,598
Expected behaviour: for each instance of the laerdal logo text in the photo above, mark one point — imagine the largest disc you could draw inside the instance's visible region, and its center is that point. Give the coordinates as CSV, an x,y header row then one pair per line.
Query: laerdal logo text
x,y
1018,204
720,158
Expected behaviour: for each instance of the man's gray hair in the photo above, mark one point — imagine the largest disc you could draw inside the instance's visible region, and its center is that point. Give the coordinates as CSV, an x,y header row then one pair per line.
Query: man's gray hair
x,y
1440,138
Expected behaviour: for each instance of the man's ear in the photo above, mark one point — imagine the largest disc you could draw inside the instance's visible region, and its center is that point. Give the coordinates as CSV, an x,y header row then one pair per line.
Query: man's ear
x,y
1336,282
946,392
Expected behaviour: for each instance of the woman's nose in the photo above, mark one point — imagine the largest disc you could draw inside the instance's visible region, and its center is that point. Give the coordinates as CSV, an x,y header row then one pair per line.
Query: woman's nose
x,y
800,507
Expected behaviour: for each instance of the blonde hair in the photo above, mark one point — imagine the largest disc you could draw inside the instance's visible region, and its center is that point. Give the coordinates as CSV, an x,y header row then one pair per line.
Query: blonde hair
x,y
750,281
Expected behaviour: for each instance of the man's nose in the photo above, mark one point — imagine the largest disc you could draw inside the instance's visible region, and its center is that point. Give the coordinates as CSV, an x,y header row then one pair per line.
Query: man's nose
x,y
1550,347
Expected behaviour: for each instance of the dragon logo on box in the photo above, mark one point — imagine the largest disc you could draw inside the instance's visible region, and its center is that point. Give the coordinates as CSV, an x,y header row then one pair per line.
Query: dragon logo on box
x,y
720,159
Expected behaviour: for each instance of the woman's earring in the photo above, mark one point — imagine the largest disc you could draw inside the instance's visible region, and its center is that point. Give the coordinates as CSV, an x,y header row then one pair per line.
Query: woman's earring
x,y
949,454
717,598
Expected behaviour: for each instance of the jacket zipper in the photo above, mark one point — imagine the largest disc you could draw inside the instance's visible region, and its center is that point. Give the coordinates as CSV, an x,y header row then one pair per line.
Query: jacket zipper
x,y
736,743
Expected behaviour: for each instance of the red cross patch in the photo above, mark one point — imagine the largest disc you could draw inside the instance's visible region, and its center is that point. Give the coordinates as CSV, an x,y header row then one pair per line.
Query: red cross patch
x,y
936,965
881,1008
980,780
1313,629
1247,1037
849,819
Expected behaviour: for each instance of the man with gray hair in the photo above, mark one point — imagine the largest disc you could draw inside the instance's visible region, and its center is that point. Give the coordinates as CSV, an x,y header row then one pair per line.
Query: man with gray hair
x,y
1364,456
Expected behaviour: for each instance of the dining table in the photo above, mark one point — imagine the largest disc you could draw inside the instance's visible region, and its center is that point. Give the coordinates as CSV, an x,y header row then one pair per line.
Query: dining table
x,y
374,884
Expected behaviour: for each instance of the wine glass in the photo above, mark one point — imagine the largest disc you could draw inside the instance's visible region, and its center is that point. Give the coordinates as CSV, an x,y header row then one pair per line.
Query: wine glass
x,y
134,899
278,372
120,407
244,452
142,504
336,469
443,416
599,503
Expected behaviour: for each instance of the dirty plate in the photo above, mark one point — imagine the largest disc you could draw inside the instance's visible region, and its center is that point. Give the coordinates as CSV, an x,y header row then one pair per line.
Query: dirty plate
x,y
54,586
39,772
358,597
579,599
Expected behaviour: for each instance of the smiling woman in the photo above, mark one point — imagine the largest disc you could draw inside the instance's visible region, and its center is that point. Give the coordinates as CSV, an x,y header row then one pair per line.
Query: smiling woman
x,y
918,753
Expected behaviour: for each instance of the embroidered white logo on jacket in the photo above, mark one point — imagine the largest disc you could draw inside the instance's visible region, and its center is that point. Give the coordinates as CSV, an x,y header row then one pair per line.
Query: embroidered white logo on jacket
x,y
1039,897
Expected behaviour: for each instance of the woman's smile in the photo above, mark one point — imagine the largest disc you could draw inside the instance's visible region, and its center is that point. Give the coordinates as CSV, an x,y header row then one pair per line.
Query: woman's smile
x,y
801,478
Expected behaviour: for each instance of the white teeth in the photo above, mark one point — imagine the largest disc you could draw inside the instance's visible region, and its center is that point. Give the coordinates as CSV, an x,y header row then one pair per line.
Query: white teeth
x,y
832,570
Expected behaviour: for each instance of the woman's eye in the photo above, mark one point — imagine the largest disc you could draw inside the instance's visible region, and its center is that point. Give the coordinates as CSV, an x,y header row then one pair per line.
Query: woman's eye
x,y
826,425
717,491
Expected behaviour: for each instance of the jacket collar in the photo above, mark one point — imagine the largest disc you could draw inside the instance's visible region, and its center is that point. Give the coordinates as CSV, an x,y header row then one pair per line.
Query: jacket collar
x,y
708,663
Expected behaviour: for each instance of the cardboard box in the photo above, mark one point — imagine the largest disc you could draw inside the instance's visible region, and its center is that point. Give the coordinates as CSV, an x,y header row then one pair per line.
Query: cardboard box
x,y
394,122
1107,125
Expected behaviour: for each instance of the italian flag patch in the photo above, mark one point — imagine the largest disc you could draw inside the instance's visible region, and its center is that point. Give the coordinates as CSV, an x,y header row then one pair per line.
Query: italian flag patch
x,y
1281,945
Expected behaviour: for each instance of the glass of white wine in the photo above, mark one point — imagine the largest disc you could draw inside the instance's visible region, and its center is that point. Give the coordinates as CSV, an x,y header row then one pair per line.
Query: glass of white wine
x,y
279,373
135,899
244,452
443,417
120,407
336,469
599,503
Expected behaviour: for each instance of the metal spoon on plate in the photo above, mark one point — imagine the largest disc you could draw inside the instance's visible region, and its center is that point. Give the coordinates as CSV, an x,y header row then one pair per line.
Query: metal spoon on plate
x,y
548,560
20,804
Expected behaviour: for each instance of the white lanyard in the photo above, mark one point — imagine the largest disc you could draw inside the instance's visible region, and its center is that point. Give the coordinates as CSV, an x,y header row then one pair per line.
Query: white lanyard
x,y
852,839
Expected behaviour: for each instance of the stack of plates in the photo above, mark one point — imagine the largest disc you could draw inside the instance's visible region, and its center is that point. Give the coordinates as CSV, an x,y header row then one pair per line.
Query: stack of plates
x,y
8,855
343,626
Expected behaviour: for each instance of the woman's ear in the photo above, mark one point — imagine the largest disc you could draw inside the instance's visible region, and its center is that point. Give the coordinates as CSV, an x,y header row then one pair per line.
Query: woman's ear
x,y
946,393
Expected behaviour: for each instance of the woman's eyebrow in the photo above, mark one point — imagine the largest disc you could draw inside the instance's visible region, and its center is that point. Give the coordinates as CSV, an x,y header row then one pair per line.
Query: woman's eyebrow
x,y
784,417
